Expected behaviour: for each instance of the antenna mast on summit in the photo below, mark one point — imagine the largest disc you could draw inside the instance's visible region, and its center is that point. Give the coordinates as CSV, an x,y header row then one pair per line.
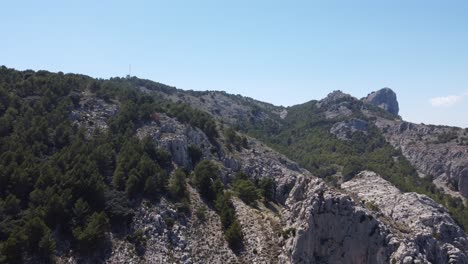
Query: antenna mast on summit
x,y
129,75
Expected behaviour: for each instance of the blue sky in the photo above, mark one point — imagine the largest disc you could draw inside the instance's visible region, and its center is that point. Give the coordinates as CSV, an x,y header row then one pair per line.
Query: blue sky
x,y
284,52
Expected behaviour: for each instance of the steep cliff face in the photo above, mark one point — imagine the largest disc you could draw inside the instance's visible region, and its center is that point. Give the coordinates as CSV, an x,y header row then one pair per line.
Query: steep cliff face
x,y
426,231
331,228
436,151
384,98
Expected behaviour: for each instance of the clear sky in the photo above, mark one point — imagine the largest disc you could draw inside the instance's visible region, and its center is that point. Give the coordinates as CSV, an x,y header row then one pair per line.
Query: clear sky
x,y
283,52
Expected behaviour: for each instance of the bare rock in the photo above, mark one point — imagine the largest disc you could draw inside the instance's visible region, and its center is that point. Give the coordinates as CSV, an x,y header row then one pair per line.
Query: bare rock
x,y
428,232
345,129
384,98
330,228
446,161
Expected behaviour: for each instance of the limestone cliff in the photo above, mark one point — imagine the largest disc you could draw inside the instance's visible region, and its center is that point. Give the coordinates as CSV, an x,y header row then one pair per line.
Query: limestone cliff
x,y
384,98
420,224
437,151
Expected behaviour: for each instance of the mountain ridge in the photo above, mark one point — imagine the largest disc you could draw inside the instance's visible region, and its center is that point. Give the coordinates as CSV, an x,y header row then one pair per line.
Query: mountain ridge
x,y
160,174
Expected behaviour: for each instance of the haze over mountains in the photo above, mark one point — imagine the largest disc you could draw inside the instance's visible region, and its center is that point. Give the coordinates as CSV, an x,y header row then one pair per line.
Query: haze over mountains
x,y
131,170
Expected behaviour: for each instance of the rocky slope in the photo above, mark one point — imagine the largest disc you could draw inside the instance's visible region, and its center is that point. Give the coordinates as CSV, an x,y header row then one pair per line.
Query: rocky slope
x,y
221,105
437,151
446,162
306,220
423,225
311,222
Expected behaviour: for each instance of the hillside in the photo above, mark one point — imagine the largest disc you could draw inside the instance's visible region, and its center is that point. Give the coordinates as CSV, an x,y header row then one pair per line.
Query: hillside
x,y
130,170
341,132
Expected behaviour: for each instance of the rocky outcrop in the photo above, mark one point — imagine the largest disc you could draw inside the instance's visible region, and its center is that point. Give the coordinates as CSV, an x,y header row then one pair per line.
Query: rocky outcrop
x,y
330,228
223,106
92,113
427,233
345,129
175,137
384,98
261,228
173,237
336,104
433,150
259,161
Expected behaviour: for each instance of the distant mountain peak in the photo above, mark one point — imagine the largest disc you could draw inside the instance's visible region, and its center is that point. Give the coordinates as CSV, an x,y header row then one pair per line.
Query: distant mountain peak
x,y
333,97
384,98
337,94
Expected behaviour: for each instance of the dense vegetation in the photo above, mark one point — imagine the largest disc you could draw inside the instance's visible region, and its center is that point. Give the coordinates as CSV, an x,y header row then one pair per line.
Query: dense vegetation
x,y
62,182
304,137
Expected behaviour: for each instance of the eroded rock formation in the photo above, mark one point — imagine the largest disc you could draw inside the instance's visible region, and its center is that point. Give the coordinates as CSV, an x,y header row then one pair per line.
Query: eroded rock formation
x,y
384,98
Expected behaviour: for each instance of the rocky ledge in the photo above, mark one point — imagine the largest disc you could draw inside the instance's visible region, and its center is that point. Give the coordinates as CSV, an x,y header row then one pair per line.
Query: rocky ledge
x,y
424,229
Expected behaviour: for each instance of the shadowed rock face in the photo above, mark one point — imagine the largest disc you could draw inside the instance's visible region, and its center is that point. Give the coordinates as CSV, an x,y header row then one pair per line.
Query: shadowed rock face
x,y
384,98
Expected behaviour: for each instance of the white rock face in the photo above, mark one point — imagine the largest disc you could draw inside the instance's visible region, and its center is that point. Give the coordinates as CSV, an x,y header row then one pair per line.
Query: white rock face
x,y
446,161
336,104
331,228
345,129
175,137
428,233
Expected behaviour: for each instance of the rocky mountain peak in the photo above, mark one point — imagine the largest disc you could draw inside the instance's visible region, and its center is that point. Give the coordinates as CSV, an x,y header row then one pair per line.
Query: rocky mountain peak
x,y
335,95
384,98
332,98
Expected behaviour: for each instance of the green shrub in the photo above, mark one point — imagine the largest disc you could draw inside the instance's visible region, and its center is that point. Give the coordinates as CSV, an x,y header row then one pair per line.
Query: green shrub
x,y
39,238
446,137
287,233
177,184
351,168
232,139
118,208
151,187
205,173
91,237
267,187
13,248
225,209
373,206
133,184
195,154
201,213
234,236
246,190
183,206
138,239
